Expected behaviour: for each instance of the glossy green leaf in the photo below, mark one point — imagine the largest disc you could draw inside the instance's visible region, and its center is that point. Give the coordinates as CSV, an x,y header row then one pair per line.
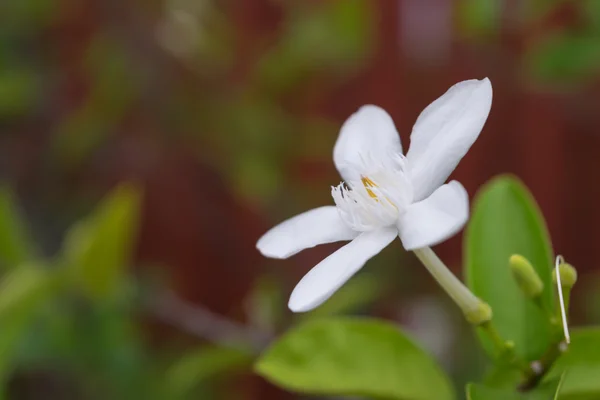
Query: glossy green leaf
x,y
581,365
546,391
202,364
15,246
98,248
356,357
506,221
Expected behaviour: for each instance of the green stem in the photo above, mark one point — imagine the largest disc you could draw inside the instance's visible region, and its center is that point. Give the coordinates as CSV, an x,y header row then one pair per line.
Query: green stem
x,y
475,310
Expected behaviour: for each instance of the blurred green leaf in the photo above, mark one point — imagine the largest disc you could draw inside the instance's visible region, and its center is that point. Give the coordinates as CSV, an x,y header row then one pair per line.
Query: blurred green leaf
x,y
479,18
98,248
202,364
353,357
507,221
18,90
565,58
115,86
581,365
22,291
546,391
334,34
591,10
15,246
25,15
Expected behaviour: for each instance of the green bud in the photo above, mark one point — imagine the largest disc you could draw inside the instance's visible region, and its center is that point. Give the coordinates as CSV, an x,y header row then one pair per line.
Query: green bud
x,y
479,315
525,275
568,275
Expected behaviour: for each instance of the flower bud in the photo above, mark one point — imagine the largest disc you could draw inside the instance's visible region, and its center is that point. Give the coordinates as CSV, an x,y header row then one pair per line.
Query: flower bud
x,y
568,275
525,275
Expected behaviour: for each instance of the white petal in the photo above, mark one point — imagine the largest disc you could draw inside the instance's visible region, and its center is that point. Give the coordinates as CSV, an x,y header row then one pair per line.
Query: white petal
x,y
369,133
436,218
445,131
309,229
331,273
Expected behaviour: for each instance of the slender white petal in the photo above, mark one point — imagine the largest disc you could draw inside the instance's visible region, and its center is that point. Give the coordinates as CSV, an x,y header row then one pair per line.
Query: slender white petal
x,y
436,218
445,131
331,273
309,229
369,134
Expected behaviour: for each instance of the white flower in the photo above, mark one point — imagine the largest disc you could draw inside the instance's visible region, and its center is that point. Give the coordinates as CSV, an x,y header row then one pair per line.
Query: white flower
x,y
386,194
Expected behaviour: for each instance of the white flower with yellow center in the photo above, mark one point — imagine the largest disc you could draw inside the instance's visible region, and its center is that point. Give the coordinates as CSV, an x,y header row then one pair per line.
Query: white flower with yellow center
x,y
387,194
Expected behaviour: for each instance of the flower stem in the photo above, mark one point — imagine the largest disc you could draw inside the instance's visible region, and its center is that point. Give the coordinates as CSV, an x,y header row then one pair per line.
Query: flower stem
x,y
475,310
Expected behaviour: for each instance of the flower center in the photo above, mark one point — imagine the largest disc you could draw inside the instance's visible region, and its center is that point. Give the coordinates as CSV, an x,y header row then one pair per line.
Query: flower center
x,y
378,199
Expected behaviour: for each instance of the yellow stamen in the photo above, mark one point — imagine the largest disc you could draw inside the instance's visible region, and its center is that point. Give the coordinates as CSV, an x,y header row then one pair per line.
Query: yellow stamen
x,y
369,183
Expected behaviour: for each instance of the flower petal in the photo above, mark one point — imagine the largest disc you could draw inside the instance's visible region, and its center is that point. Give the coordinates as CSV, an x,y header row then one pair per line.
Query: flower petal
x,y
331,273
436,218
445,131
309,229
369,133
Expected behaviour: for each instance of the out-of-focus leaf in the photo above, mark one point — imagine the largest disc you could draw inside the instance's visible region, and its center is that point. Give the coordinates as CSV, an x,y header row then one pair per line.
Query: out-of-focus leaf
x,y
592,12
15,246
203,364
18,89
565,58
581,366
115,87
27,14
479,18
98,248
355,294
507,221
333,34
546,391
353,357
22,291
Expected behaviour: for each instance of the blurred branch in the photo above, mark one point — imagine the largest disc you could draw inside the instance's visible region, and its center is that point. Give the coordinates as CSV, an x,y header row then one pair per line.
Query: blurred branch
x,y
203,323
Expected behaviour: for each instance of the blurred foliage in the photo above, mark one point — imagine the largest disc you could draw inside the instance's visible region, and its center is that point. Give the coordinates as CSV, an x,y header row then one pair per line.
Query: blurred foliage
x,y
75,316
15,245
565,53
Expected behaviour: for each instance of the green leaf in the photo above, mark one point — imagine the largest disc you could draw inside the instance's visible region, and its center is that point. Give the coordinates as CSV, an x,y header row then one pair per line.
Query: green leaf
x,y
506,221
203,364
22,291
360,357
15,246
98,248
581,365
546,391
